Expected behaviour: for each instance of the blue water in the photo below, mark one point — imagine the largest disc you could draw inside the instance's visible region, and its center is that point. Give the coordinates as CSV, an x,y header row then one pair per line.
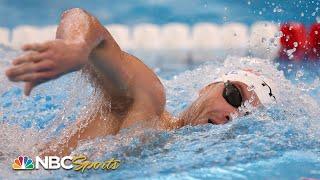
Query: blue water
x,y
41,13
279,142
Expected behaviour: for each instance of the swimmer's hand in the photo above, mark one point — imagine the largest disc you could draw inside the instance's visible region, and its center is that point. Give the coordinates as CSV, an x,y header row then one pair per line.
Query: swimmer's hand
x,y
46,61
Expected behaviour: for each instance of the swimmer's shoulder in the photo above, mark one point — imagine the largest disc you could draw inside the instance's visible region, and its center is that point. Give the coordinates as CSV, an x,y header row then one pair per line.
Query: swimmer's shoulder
x,y
149,92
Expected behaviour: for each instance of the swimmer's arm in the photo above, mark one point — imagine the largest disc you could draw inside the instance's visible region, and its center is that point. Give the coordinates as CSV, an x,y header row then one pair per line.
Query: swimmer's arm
x,y
77,35
82,40
100,48
126,80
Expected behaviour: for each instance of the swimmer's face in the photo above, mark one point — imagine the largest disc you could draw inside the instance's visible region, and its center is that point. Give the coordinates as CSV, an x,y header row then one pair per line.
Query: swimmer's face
x,y
211,107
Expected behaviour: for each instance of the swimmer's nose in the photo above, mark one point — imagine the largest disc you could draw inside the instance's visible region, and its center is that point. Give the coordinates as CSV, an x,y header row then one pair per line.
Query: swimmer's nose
x,y
225,118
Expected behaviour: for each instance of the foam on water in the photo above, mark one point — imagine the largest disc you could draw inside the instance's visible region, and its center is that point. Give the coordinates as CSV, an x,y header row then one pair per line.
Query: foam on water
x,y
282,140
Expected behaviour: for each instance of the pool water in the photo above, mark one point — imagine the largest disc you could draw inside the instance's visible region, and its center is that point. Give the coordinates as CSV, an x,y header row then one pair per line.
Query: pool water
x,y
279,142
42,13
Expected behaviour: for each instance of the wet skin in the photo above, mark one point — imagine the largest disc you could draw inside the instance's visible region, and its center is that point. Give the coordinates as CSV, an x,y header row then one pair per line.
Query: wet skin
x,y
211,107
134,91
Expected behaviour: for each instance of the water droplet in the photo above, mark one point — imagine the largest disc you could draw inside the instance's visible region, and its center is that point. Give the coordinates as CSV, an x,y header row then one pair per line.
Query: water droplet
x,y
250,88
299,74
224,18
277,9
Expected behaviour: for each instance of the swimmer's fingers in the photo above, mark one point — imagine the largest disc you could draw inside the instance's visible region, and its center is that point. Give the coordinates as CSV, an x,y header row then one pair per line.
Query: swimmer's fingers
x,y
28,87
36,47
15,73
36,77
29,57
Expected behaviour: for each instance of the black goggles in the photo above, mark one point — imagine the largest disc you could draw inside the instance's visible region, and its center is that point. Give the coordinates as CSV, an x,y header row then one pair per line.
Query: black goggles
x,y
232,94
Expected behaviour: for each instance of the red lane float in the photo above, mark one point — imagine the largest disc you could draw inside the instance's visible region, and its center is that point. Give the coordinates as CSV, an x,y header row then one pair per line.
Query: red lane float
x,y
293,41
314,42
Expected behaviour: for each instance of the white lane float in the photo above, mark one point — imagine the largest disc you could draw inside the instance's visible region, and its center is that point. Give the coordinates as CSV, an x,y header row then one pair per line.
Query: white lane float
x,y
31,34
47,33
24,34
206,42
146,36
265,40
176,43
121,34
4,36
235,39
146,42
180,43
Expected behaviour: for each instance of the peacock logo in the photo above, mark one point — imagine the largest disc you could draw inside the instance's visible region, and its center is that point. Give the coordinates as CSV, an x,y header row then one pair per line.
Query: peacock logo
x,y
23,163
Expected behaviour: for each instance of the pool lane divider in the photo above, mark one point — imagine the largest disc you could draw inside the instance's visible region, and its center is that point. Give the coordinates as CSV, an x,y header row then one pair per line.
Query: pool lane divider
x,y
204,41
297,43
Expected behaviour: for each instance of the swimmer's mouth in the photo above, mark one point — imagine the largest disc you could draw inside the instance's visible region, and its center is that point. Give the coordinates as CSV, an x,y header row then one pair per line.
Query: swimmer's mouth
x,y
210,121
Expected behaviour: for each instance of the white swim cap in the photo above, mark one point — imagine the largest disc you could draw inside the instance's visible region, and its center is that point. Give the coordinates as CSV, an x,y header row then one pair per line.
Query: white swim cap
x,y
265,89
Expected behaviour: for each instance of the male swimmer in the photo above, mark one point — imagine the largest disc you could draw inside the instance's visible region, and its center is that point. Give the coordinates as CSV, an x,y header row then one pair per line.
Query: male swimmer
x,y
134,92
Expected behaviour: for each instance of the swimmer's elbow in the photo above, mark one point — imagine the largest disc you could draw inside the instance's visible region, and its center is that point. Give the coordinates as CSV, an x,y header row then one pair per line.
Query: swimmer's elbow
x,y
77,22
73,11
79,15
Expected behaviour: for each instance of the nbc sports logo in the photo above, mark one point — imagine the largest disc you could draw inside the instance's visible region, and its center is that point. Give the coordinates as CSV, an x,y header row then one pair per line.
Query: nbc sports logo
x,y
78,163
49,162
23,163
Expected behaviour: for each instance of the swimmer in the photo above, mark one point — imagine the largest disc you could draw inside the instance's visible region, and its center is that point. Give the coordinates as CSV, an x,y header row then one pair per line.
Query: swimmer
x,y
135,93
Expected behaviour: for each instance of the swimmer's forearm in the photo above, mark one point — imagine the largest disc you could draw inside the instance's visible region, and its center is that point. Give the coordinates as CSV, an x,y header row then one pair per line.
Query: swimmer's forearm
x,y
104,53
